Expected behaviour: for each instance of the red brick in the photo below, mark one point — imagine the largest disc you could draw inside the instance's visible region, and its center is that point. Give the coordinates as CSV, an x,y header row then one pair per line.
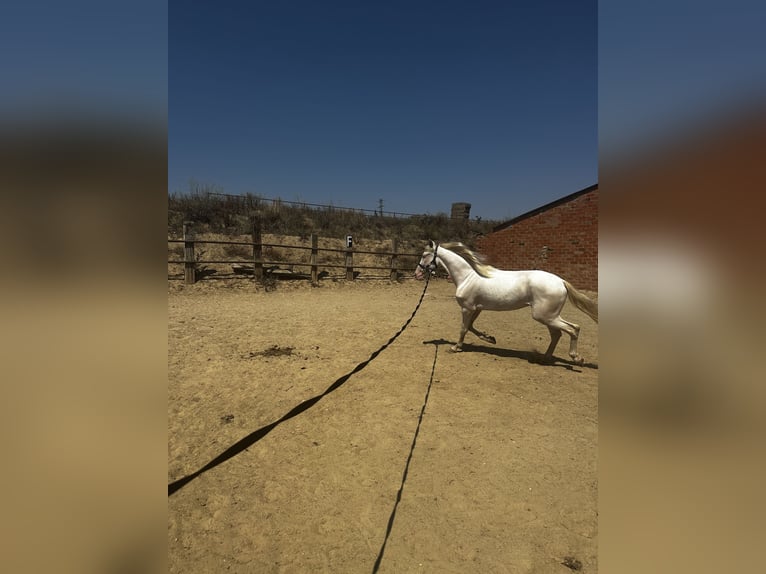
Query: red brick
x,y
569,231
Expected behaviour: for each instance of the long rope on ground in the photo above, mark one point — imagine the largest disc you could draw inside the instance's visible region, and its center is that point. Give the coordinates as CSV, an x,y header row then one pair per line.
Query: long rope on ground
x,y
257,435
407,465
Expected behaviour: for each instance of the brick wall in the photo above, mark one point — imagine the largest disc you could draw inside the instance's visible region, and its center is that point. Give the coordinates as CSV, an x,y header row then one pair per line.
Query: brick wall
x,y
562,239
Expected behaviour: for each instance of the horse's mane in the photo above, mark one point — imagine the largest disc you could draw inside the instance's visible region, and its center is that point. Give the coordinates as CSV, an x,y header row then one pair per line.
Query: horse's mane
x,y
474,259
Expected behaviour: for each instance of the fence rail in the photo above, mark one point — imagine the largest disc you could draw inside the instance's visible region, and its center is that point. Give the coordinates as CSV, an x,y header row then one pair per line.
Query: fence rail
x,y
276,202
261,266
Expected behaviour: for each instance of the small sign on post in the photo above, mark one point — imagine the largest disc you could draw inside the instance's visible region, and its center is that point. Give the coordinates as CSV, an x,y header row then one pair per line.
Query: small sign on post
x,y
349,258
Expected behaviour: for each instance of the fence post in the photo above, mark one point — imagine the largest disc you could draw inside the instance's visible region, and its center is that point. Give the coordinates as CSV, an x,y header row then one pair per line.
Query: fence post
x,y
394,270
313,261
350,263
189,262
257,251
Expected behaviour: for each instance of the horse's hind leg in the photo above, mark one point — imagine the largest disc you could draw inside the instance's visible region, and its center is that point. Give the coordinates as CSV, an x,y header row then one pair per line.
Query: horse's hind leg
x,y
555,326
573,337
555,336
570,329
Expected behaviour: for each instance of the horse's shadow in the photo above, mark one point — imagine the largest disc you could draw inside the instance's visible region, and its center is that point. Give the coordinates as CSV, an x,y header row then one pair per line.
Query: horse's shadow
x,y
529,356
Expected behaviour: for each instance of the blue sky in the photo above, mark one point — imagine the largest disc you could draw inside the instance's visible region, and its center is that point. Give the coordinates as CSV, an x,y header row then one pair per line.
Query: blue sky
x,y
668,69
420,104
84,60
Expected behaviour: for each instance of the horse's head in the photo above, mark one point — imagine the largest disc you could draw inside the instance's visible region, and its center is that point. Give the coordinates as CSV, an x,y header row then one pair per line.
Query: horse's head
x,y
427,260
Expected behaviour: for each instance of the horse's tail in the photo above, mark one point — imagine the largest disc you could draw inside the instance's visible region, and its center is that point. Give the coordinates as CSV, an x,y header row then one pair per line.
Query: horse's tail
x,y
587,306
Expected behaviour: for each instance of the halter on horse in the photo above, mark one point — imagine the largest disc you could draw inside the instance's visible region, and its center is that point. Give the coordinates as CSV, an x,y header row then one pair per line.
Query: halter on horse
x,y
429,268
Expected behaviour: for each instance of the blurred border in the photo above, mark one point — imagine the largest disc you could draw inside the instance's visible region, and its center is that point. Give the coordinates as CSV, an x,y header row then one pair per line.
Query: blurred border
x,y
682,139
83,174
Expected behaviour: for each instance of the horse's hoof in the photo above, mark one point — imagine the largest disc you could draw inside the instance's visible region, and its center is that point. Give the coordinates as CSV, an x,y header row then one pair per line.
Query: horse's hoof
x,y
577,359
491,339
455,349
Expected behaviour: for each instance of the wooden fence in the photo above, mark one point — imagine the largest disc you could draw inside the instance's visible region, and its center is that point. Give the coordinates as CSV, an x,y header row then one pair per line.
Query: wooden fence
x,y
276,203
262,267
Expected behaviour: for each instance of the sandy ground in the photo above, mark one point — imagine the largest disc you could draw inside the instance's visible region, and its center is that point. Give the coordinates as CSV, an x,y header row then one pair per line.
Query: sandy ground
x,y
503,476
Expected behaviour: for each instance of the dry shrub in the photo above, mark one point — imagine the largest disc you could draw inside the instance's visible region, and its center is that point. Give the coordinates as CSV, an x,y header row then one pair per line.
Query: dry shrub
x,y
242,251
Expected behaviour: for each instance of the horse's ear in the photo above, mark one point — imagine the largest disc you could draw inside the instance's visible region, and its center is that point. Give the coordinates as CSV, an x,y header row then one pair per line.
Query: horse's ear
x,y
431,244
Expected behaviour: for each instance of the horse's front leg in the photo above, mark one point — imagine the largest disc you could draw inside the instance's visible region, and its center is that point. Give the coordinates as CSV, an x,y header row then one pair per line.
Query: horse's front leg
x,y
480,334
468,317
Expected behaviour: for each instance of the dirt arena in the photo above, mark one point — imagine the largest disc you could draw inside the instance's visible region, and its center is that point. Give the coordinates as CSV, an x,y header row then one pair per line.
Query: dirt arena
x,y
503,476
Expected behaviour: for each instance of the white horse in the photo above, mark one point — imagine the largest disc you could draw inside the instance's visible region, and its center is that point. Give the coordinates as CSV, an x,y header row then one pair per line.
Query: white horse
x,y
481,287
